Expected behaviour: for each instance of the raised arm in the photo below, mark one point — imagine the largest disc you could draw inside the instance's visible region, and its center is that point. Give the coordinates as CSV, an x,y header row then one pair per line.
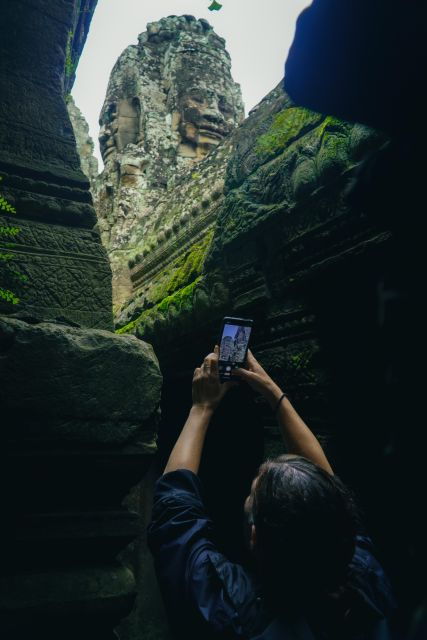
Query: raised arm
x,y
207,394
297,436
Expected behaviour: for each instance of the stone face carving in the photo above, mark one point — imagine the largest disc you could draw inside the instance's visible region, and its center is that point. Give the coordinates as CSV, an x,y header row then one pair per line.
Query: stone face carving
x,y
171,100
173,92
273,163
282,222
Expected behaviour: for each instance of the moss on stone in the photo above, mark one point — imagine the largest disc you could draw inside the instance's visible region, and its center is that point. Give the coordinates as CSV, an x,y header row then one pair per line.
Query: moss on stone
x,y
182,271
70,66
179,298
333,155
287,126
297,359
332,123
182,300
292,124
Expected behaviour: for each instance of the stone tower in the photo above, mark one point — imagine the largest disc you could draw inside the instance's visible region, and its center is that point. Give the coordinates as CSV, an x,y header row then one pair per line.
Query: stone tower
x,y
170,101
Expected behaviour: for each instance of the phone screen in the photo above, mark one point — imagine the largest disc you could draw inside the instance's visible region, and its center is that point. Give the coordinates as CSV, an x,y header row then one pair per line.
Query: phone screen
x,y
233,347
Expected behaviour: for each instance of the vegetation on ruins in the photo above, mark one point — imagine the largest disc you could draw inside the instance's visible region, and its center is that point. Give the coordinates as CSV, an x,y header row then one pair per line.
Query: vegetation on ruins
x,y
8,233
70,65
287,125
180,301
174,288
292,123
182,271
215,6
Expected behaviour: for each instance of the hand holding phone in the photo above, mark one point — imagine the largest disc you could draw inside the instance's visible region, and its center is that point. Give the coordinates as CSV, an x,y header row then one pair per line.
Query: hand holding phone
x,y
233,345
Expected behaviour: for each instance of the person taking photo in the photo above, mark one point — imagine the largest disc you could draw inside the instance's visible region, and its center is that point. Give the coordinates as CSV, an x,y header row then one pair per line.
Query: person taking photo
x,y
314,575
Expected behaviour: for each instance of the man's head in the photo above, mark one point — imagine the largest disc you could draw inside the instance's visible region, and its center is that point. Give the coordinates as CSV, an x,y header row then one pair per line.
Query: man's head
x,y
303,525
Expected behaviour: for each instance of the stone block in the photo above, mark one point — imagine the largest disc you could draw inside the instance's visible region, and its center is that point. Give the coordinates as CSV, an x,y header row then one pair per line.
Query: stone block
x,y
76,385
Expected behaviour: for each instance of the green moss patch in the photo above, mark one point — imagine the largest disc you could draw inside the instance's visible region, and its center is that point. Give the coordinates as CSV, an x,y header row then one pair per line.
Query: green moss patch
x,y
287,126
181,300
182,271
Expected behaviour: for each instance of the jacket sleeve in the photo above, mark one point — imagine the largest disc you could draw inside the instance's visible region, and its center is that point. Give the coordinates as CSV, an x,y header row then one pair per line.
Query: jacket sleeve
x,y
179,525
195,578
369,578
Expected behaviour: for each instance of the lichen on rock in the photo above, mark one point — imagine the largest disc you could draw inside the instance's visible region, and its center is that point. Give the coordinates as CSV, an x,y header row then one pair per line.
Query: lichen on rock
x,y
274,168
171,102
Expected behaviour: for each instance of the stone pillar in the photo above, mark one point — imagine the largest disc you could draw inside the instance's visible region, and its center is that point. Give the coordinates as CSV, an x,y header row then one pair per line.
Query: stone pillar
x,y
57,249
78,404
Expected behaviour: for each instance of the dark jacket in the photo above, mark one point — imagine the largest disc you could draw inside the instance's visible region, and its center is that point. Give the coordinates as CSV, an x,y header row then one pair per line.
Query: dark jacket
x,y
207,596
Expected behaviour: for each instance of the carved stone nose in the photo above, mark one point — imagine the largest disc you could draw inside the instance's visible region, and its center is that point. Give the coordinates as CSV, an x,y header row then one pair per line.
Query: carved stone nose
x,y
215,117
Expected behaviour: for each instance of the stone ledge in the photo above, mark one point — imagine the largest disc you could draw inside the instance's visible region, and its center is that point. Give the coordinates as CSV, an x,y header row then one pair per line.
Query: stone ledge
x,y
72,384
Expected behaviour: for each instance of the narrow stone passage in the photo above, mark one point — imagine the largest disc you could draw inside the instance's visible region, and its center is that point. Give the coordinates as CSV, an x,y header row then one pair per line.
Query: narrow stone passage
x,y
303,216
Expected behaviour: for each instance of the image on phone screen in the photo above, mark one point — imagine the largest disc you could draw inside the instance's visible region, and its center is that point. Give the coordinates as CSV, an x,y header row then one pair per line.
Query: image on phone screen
x,y
233,347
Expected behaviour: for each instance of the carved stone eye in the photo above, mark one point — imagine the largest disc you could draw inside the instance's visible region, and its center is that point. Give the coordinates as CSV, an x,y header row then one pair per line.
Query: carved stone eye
x,y
224,106
197,99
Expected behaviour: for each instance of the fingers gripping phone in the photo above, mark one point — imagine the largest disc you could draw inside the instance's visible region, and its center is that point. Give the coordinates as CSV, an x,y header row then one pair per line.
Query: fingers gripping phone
x,y
233,345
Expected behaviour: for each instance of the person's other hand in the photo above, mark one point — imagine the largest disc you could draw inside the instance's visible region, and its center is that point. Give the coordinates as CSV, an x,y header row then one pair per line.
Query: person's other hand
x,y
207,388
258,378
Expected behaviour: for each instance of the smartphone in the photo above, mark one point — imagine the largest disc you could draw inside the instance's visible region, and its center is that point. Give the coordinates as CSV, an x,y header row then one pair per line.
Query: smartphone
x,y
233,345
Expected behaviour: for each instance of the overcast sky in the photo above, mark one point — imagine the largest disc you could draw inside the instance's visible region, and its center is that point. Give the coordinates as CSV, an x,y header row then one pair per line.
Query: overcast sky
x,y
258,34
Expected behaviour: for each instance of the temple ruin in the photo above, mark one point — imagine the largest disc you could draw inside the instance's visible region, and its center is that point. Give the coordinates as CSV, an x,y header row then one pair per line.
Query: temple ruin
x,y
288,216
170,102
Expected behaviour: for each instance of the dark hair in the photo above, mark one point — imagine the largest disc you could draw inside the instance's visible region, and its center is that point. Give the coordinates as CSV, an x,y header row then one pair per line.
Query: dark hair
x,y
306,521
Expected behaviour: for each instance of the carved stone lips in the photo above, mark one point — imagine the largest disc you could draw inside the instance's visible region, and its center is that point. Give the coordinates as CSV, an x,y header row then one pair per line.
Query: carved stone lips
x,y
211,131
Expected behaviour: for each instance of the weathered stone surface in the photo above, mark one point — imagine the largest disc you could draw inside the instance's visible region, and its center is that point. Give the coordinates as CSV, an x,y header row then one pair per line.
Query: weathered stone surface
x,y
183,223
61,372
45,593
287,249
79,410
290,250
170,101
380,84
68,274
79,27
85,146
78,405
40,167
286,171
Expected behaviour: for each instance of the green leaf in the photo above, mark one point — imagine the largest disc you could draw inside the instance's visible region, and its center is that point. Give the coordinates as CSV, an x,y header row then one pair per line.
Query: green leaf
x,y
215,6
9,232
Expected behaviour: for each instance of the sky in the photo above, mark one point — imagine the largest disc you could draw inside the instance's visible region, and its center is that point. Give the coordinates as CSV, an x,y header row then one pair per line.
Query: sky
x,y
231,330
258,34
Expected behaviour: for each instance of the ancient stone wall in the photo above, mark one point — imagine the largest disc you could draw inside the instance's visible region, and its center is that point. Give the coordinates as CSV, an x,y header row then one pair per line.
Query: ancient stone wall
x,y
290,249
380,84
283,165
170,101
286,221
85,146
78,404
41,171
